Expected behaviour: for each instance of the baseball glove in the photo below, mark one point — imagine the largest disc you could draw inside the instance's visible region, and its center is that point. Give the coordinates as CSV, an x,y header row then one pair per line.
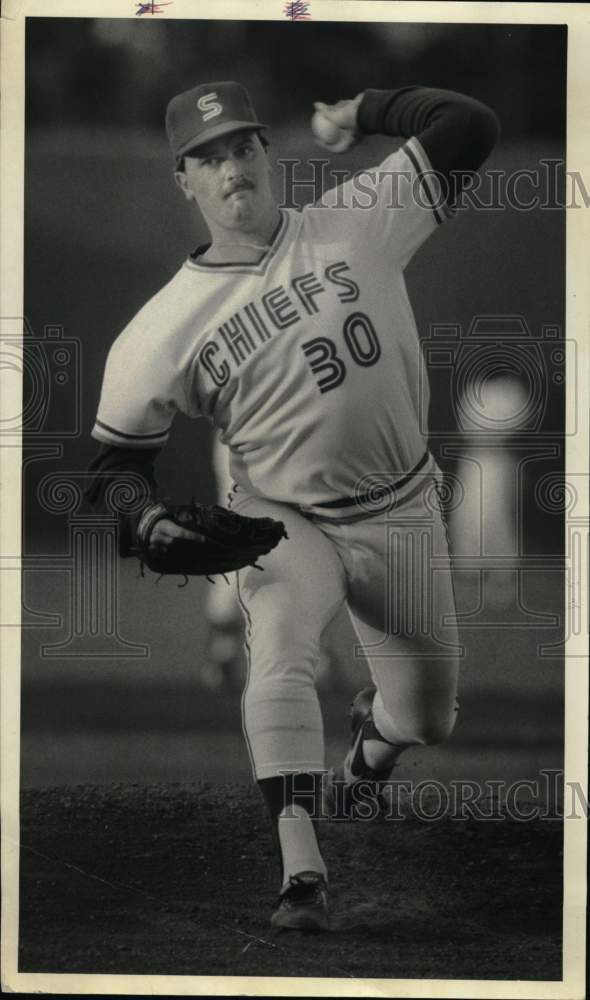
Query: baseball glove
x,y
228,541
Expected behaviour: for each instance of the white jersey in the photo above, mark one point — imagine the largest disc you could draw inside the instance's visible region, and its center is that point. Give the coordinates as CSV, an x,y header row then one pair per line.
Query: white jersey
x,y
308,362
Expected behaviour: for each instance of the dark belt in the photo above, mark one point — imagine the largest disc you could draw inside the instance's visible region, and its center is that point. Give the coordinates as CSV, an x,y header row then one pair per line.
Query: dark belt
x,y
381,491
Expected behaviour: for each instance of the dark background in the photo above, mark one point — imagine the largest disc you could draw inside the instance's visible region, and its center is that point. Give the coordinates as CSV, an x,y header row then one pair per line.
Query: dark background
x,y
105,227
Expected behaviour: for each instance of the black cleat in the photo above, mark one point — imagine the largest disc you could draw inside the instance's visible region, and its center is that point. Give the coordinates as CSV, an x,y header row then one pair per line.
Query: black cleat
x,y
303,905
340,781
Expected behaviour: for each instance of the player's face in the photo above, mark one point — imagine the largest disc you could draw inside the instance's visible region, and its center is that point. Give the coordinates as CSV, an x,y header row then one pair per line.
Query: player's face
x,y
230,179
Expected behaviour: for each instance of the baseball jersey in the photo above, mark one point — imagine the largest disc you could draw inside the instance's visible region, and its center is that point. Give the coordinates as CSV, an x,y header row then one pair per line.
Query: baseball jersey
x,y
308,361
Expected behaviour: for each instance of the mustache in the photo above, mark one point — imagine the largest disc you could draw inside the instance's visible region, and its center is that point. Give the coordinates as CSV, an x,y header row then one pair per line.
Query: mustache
x,y
241,185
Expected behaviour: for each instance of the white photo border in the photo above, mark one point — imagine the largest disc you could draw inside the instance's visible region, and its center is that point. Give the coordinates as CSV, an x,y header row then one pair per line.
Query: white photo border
x,y
577,19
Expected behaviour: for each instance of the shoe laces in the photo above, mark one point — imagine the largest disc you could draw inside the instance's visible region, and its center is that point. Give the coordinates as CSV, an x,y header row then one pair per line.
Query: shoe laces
x,y
303,887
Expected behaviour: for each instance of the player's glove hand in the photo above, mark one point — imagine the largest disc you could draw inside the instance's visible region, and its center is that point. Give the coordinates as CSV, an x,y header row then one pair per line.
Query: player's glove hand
x,y
195,540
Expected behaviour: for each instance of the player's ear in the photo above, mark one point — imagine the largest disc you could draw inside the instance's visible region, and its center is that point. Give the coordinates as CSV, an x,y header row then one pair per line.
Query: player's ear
x,y
181,179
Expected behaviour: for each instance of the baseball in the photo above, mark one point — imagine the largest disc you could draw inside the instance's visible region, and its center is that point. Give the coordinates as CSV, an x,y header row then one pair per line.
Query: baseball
x,y
325,130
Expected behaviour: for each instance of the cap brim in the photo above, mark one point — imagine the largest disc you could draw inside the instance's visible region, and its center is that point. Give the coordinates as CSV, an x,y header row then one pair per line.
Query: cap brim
x,y
214,133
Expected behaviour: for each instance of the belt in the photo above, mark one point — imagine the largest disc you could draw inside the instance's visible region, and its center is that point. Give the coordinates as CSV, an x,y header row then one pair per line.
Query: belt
x,y
378,492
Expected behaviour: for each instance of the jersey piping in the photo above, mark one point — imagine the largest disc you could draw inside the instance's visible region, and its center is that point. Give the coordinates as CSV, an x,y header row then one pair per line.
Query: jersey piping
x,y
113,436
428,180
259,268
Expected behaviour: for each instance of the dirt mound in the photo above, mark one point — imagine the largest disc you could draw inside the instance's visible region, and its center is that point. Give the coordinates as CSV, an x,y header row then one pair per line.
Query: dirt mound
x,y
181,879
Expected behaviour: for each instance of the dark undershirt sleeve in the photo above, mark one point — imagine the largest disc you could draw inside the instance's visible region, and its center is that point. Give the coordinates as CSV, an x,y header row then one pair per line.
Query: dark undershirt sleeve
x,y
456,132
111,465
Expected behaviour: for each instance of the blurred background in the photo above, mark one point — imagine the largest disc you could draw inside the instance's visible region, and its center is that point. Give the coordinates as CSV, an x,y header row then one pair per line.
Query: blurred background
x,y
105,227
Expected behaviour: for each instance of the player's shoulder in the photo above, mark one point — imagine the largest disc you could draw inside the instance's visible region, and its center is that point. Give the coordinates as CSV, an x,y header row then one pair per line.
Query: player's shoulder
x,y
159,321
363,186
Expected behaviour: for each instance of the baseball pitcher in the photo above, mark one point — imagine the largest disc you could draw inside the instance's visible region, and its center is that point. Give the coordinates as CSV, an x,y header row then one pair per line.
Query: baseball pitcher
x,y
293,333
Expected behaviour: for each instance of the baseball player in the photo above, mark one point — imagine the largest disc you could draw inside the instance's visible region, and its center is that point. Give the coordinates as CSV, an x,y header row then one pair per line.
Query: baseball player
x,y
293,333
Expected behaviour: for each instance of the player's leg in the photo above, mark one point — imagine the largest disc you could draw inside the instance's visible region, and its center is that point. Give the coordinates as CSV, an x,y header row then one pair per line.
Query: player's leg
x,y
287,607
402,608
223,658
415,700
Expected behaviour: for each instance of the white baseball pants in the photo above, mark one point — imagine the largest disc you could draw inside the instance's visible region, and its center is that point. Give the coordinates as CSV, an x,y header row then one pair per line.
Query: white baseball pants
x,y
392,570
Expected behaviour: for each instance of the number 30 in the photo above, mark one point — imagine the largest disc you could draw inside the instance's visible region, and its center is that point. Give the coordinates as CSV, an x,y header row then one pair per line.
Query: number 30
x,y
363,345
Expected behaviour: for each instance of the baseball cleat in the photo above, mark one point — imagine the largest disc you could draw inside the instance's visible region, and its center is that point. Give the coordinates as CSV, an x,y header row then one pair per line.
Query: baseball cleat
x,y
340,781
303,905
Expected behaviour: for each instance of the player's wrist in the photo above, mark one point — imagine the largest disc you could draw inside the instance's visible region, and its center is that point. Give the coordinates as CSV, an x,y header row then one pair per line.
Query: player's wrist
x,y
371,110
356,103
148,518
346,113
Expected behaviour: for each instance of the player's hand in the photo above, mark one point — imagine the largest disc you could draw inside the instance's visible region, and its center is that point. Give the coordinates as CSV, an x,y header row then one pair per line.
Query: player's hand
x,y
197,540
335,126
343,114
166,531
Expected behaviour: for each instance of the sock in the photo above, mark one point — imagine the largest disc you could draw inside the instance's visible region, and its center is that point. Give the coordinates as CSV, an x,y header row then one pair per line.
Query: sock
x,y
302,792
299,847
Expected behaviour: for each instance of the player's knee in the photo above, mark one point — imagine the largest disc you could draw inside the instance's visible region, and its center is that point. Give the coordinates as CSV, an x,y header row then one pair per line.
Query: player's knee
x,y
436,729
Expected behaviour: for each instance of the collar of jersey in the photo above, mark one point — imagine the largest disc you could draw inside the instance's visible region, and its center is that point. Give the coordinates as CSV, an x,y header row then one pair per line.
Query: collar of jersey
x,y
241,268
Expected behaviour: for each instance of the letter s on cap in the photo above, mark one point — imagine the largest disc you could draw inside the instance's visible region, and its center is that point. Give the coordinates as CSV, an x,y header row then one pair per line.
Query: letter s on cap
x,y
209,106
